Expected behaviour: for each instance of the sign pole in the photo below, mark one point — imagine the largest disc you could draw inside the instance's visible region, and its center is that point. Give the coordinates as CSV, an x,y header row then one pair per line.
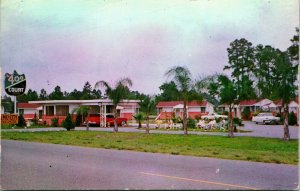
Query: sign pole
x,y
15,105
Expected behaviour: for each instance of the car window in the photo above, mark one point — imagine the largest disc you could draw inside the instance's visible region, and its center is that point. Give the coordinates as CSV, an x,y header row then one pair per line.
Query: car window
x,y
109,116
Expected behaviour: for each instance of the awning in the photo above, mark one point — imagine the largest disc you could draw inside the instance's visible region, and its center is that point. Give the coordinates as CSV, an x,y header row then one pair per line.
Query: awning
x,y
120,107
179,106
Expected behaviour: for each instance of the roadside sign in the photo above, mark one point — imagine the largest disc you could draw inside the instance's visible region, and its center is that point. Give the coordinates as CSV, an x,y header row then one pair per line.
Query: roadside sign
x,y
15,84
9,118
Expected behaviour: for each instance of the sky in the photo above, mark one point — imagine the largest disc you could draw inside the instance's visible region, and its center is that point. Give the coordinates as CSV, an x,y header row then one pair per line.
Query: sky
x,y
69,42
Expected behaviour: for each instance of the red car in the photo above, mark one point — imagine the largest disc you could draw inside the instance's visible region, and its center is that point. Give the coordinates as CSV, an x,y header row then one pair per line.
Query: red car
x,y
95,120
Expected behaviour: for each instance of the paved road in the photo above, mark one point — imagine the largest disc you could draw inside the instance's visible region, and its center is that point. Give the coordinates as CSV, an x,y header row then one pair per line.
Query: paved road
x,y
44,166
273,131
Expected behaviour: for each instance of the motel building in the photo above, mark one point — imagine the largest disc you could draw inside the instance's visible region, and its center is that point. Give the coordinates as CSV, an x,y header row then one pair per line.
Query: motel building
x,y
166,109
263,105
46,110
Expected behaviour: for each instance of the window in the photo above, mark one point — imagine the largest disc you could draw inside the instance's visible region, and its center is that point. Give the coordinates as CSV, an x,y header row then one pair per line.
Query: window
x,y
49,110
21,111
202,109
62,110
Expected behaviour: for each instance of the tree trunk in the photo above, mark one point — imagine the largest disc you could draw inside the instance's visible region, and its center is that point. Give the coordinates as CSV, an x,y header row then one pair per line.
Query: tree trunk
x,y
184,118
230,129
115,121
286,135
140,124
147,128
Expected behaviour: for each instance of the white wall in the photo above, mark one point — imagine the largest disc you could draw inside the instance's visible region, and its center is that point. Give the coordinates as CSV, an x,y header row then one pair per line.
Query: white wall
x,y
127,110
194,109
31,111
167,109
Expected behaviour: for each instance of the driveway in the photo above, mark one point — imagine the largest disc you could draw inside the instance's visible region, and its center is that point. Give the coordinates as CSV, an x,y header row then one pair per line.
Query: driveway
x,y
273,131
257,130
26,165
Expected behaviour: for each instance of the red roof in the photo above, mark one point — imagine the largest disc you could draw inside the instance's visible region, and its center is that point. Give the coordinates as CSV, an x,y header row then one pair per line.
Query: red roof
x,y
278,102
248,102
174,103
28,105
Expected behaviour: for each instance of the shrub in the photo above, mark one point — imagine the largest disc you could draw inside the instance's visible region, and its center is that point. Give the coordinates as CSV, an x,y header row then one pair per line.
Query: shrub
x,y
237,121
54,122
225,113
78,120
44,123
21,121
246,113
191,123
68,123
219,119
281,117
35,119
292,118
197,117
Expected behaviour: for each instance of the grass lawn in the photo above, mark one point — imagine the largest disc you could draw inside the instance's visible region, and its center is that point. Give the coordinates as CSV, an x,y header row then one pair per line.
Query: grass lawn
x,y
268,150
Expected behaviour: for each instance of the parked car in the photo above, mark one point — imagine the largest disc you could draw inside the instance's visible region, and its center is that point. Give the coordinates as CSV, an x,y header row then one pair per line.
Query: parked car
x,y
214,116
95,120
265,118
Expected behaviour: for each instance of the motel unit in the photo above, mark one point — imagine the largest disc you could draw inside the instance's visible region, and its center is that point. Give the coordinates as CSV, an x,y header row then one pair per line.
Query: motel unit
x,y
46,110
167,109
260,105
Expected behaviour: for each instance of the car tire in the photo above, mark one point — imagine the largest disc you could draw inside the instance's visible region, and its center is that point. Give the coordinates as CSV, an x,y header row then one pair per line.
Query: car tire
x,y
123,123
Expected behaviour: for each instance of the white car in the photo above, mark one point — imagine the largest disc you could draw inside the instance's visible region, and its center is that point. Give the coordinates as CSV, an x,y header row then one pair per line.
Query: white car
x,y
213,116
265,118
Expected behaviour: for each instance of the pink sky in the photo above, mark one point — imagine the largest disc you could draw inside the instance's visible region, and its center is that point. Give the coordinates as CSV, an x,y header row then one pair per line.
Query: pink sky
x,y
67,43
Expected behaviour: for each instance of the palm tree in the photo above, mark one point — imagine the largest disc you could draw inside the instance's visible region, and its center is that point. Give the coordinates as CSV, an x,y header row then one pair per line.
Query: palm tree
x,y
139,118
228,95
116,94
147,105
185,85
83,111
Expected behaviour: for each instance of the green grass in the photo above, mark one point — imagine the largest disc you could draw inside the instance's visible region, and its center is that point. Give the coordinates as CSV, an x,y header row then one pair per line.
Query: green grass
x,y
267,150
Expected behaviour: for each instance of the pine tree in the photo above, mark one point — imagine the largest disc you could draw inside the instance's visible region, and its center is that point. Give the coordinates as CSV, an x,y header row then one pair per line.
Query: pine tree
x,y
68,123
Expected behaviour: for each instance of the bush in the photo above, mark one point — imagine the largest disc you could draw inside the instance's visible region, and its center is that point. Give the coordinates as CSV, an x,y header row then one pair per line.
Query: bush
x,y
68,123
54,122
292,118
191,123
21,121
219,119
225,113
197,117
246,113
78,120
44,123
281,117
237,121
35,119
